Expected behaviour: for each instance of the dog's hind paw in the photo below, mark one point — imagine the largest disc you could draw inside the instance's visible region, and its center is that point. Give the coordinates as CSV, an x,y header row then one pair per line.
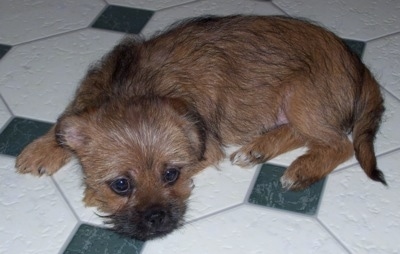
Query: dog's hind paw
x,y
296,182
287,183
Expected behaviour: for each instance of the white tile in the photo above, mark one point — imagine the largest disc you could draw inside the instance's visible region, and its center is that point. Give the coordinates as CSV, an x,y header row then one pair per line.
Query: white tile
x,y
248,229
363,214
218,189
5,114
149,4
34,217
70,180
22,21
353,19
383,57
163,18
38,79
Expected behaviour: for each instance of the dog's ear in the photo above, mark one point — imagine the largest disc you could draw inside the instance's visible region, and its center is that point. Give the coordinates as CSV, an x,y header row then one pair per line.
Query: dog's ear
x,y
72,132
196,129
179,105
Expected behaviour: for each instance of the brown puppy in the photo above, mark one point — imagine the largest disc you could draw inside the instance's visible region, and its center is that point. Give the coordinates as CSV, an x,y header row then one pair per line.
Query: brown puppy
x,y
153,113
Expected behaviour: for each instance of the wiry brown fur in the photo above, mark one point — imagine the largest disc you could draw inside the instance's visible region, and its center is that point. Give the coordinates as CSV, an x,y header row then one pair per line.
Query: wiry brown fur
x,y
268,84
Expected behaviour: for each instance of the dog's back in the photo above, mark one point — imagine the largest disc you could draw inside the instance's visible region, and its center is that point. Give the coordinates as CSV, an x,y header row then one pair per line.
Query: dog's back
x,y
250,75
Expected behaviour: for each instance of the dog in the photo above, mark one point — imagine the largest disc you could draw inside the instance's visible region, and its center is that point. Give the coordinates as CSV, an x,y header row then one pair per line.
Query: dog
x,y
153,113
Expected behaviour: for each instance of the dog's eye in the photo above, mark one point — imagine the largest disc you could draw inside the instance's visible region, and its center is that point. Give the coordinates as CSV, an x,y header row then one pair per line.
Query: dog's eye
x,y
121,186
171,175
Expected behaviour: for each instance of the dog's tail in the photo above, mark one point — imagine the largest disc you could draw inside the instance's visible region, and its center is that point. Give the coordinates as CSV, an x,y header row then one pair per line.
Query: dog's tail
x,y
368,115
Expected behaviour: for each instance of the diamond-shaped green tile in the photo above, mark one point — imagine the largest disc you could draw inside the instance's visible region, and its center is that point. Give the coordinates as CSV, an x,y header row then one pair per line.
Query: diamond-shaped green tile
x,y
4,49
267,191
356,46
89,239
123,19
19,133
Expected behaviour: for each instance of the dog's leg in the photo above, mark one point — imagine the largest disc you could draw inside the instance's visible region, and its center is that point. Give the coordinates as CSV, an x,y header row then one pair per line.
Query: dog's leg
x,y
318,162
267,146
42,156
45,155
213,155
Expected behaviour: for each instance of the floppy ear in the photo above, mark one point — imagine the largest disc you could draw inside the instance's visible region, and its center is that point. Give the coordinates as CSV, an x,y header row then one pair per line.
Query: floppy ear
x,y
72,132
179,105
196,129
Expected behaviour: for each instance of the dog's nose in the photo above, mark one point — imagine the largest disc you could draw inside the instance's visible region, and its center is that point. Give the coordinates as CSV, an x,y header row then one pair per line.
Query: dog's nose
x,y
155,217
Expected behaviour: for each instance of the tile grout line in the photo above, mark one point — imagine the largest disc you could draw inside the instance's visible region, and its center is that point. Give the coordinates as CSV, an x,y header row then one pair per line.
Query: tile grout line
x,y
178,5
282,211
333,235
78,220
279,8
66,32
65,198
389,152
214,213
357,163
48,37
390,93
252,184
6,104
323,191
69,238
382,37
12,116
316,218
321,196
2,128
99,15
365,41
189,222
243,202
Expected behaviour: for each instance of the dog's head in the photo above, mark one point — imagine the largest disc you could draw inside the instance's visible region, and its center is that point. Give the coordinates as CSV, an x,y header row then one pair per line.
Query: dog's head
x,y
137,158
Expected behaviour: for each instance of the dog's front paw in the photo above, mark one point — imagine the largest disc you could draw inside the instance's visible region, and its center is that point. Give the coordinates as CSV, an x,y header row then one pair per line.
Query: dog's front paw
x,y
246,158
42,157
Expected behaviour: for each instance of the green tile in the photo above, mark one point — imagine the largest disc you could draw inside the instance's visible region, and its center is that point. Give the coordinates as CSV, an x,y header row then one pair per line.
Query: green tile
x,y
4,49
267,191
89,239
356,46
20,132
123,19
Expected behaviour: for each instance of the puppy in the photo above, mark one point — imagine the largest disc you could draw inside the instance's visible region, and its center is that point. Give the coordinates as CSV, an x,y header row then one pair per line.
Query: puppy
x,y
153,113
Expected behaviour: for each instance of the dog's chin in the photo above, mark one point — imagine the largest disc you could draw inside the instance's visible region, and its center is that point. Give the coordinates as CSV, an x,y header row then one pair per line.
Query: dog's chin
x,y
133,225
141,233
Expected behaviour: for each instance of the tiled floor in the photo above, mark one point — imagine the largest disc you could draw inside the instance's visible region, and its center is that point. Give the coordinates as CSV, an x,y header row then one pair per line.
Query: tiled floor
x,y
45,48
